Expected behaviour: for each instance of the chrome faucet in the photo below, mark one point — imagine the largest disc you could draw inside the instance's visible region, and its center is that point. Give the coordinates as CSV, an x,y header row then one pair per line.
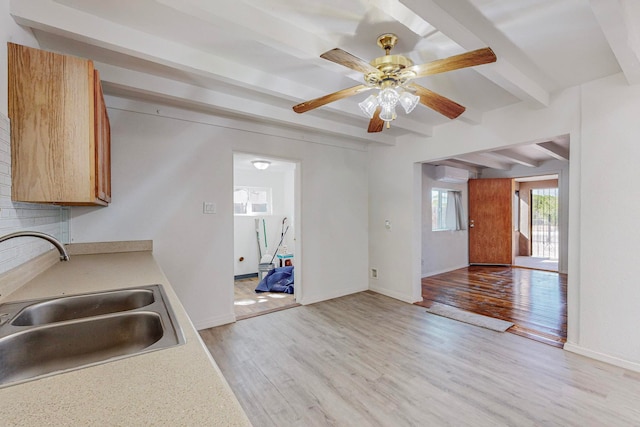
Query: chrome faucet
x,y
64,256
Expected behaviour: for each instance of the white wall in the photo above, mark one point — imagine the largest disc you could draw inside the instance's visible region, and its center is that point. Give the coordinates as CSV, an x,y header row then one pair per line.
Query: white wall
x,y
601,119
609,232
548,167
19,216
245,243
442,250
164,168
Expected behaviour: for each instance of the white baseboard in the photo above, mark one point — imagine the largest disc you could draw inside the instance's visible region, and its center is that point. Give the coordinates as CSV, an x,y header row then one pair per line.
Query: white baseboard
x,y
622,363
212,322
306,299
446,270
395,295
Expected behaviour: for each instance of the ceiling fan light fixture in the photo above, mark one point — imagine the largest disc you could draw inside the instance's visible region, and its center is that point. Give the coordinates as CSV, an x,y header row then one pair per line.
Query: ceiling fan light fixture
x,y
391,75
388,113
261,164
408,101
388,98
369,105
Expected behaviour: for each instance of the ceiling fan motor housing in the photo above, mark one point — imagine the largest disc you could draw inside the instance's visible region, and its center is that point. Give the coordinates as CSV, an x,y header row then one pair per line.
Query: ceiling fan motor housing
x,y
392,69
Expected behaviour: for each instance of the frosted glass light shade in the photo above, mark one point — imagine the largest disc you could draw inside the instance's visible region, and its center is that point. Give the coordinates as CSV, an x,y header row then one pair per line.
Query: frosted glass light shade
x,y
388,98
388,114
261,164
369,105
408,101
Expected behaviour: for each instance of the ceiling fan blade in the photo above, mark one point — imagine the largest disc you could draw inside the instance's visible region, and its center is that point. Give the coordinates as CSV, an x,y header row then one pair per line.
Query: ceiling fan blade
x,y
348,60
437,102
464,60
376,124
319,102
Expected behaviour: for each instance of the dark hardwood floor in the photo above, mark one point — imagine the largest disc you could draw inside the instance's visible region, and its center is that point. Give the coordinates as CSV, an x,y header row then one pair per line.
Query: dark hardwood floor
x,y
534,300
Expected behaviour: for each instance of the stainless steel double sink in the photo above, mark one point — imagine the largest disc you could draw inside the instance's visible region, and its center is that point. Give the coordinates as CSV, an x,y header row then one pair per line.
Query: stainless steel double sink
x,y
54,335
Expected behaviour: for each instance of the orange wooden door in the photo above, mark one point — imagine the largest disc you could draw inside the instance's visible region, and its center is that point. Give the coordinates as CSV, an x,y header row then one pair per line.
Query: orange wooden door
x,y
490,221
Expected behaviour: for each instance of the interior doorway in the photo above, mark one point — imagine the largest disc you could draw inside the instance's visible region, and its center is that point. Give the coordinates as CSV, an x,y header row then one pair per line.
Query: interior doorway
x,y
265,245
521,296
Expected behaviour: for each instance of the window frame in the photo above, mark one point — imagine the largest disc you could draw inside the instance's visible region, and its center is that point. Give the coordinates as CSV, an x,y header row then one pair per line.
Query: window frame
x,y
249,205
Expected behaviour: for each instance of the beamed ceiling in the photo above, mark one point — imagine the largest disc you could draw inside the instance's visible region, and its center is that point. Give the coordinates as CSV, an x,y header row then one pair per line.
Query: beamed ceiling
x,y
255,59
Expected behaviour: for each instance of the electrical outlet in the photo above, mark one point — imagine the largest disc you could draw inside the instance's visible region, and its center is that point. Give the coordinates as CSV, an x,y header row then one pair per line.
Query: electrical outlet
x,y
374,273
208,207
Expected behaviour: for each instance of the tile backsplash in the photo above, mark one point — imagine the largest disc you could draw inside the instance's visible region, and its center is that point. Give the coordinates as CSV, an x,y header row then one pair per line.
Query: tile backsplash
x,y
16,216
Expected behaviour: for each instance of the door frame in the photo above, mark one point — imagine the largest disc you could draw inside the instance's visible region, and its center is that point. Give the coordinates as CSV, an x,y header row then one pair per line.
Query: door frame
x,y
296,230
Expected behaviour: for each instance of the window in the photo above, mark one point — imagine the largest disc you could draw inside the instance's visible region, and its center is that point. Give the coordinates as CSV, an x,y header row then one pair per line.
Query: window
x,y
446,210
251,201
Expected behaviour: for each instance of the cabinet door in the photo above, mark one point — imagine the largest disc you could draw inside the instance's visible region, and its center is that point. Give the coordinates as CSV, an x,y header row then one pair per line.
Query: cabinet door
x,y
103,145
51,111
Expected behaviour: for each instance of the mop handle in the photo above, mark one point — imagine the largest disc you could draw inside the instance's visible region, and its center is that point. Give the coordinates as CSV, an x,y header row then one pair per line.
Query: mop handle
x,y
264,230
281,239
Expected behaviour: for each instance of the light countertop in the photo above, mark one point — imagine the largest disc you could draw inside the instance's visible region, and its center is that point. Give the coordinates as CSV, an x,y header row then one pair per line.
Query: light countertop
x,y
178,386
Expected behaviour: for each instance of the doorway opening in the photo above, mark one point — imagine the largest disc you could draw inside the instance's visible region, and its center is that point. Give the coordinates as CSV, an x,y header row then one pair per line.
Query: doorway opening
x,y
534,299
536,232
265,208
544,223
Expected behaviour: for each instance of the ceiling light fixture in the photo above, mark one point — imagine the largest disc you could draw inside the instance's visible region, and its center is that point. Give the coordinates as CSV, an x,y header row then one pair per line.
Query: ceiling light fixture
x,y
387,99
392,76
392,73
261,164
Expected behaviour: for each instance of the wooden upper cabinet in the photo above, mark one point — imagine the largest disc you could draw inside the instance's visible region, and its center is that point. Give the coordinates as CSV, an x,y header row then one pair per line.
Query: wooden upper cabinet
x,y
60,134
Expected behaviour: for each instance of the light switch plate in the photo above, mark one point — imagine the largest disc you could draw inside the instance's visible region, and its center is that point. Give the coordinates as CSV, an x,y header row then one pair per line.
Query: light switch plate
x,y
208,207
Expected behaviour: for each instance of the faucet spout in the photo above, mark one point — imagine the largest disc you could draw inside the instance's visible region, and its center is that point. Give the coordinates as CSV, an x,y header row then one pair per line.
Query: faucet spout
x,y
64,256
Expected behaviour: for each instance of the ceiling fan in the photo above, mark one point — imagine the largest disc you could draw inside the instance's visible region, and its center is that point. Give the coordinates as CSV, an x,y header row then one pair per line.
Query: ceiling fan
x,y
393,75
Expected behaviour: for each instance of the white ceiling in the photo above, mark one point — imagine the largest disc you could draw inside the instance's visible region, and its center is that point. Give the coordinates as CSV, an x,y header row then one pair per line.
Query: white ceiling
x,y
255,59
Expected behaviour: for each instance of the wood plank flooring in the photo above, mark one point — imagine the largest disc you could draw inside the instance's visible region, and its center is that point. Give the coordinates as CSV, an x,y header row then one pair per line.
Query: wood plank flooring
x,y
534,300
369,360
247,303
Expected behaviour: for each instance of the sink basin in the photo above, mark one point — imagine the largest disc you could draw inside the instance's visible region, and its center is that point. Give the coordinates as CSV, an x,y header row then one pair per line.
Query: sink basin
x,y
62,346
79,306
55,335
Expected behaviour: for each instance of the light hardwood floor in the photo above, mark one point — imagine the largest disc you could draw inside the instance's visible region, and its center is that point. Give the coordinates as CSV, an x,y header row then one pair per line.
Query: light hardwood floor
x,y
369,360
247,303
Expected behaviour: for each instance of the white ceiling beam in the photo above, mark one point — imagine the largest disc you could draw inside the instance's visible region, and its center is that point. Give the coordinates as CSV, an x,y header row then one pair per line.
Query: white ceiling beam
x,y
60,20
404,15
504,72
471,116
554,150
483,161
189,96
159,107
517,158
54,18
263,27
620,23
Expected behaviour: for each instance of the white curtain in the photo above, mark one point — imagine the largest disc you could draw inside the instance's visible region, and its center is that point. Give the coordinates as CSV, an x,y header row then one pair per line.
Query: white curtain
x,y
454,217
